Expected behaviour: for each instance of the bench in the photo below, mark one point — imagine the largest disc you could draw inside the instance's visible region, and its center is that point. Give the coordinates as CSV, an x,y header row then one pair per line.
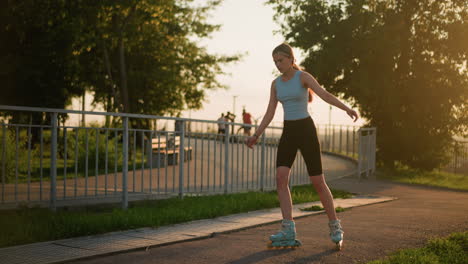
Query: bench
x,y
165,150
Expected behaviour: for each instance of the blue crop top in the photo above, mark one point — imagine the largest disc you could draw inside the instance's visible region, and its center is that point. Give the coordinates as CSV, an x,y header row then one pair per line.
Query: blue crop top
x,y
293,96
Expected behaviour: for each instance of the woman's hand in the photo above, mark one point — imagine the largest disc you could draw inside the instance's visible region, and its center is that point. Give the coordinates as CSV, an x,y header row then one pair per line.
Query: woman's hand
x,y
352,114
251,141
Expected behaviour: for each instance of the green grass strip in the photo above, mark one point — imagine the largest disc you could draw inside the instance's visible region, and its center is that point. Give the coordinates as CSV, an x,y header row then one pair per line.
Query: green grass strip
x,y
450,250
30,225
429,178
315,208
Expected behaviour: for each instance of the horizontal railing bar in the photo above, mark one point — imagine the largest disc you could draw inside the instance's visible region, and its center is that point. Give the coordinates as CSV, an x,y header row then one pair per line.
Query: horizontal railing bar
x,y
25,125
66,111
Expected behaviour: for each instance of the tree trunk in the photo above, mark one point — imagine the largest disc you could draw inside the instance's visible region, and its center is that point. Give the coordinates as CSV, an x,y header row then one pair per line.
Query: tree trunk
x,y
107,63
123,68
112,106
83,102
108,109
123,77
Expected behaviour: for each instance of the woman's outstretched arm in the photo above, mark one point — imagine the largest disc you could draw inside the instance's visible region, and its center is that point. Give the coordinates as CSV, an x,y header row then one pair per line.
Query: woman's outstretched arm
x,y
310,82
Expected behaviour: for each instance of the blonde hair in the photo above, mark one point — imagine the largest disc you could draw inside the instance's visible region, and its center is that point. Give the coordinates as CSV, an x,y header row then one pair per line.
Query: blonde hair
x,y
286,50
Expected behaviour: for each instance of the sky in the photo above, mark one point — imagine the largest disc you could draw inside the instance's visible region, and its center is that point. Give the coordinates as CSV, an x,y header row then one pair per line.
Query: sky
x,y
247,27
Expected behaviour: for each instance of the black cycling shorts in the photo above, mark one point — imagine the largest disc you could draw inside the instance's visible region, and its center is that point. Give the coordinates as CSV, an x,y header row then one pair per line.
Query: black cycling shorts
x,y
300,134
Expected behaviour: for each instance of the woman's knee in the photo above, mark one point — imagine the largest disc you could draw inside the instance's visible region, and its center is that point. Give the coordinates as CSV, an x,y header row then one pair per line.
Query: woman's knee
x,y
319,182
282,177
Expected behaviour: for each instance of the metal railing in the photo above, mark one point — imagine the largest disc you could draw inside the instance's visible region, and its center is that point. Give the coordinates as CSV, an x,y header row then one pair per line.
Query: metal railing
x,y
458,158
340,139
58,164
366,152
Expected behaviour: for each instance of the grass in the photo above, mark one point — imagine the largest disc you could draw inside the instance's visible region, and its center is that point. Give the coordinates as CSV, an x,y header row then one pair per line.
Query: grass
x,y
35,170
315,208
30,225
449,250
432,178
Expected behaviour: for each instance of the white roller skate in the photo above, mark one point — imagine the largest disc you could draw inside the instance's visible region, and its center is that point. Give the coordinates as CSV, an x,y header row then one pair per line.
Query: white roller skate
x,y
336,233
286,237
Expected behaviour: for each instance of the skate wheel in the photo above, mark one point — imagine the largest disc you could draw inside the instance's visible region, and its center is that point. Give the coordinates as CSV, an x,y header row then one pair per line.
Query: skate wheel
x,y
339,245
273,248
270,246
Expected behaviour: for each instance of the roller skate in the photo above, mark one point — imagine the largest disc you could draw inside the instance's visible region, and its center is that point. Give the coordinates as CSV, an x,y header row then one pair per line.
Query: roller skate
x,y
286,237
336,233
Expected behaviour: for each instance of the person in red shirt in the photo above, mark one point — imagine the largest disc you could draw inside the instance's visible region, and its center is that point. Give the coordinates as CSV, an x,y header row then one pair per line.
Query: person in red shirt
x,y
247,119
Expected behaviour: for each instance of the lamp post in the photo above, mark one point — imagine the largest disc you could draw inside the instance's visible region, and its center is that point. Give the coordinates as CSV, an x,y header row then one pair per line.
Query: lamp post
x,y
234,103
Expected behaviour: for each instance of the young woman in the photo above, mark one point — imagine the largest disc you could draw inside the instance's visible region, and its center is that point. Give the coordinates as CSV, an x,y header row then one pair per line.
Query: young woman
x,y
294,89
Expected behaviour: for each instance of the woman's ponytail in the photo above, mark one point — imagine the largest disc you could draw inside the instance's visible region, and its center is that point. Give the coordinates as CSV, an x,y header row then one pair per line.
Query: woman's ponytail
x,y
295,66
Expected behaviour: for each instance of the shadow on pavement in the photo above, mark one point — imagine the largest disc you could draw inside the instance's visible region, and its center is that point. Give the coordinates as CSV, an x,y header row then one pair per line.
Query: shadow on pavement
x,y
363,186
259,256
314,257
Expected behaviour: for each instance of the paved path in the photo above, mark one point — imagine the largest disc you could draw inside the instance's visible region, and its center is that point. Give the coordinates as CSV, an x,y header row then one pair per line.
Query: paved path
x,y
371,232
165,181
144,238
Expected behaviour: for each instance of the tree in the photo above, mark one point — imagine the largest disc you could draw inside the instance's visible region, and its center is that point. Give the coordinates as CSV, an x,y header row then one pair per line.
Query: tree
x,y
148,52
136,56
37,67
403,63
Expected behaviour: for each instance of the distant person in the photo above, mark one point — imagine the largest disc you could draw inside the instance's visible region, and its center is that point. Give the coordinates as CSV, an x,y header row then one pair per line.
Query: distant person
x,y
293,88
231,117
221,126
246,119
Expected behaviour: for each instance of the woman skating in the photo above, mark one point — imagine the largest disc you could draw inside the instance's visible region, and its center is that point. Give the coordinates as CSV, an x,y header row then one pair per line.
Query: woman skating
x,y
294,90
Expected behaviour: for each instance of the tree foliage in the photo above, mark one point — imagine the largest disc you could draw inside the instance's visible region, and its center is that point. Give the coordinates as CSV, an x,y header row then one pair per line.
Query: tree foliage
x,y
403,63
136,56
37,67
166,70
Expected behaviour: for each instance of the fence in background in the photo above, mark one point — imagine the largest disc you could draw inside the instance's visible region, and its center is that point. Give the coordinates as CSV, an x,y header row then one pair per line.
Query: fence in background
x,y
458,155
366,151
58,164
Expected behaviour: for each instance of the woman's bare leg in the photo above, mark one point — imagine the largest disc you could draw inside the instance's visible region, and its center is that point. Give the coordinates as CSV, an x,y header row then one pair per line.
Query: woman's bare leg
x,y
325,195
284,194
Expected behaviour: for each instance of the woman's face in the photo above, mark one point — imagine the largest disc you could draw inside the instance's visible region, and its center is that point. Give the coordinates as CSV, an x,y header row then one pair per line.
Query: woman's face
x,y
282,62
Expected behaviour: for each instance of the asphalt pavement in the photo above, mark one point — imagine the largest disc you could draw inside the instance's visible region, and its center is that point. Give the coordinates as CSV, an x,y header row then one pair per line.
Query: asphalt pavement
x,y
371,232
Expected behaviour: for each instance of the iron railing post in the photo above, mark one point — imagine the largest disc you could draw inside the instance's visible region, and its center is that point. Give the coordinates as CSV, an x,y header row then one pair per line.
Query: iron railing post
x,y
374,150
3,159
359,153
53,163
341,140
368,154
226,158
181,158
125,164
262,169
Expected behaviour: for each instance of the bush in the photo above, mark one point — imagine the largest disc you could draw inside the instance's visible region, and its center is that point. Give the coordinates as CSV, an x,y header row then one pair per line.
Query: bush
x,y
450,250
9,147
101,149
453,250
